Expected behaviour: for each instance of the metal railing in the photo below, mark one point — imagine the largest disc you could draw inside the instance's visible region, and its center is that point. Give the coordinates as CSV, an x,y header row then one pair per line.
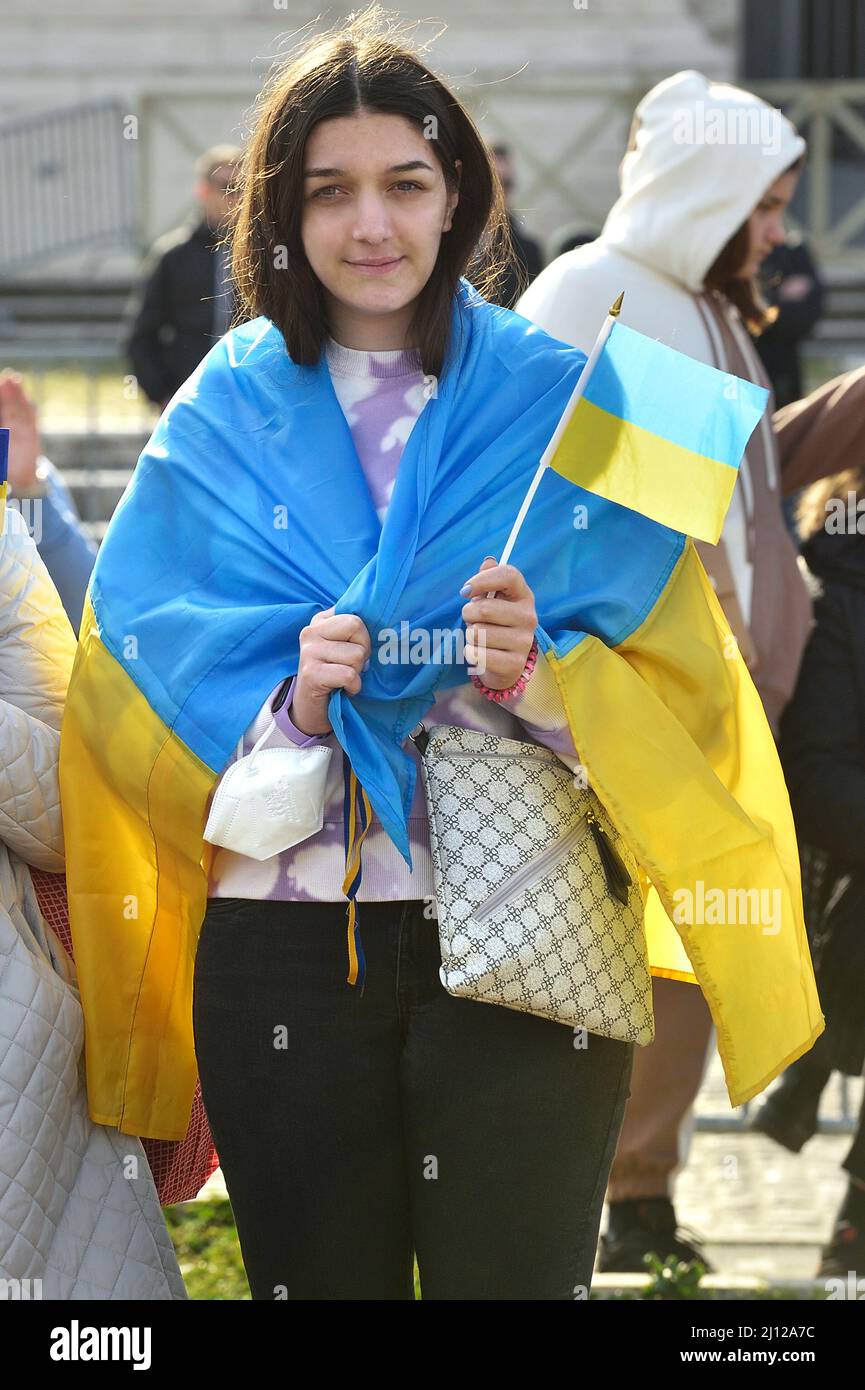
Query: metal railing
x,y
72,176
68,183
830,201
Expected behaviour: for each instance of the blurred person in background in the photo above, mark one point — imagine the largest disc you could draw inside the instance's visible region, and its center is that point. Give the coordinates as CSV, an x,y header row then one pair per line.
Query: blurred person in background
x,y
790,284
824,766
528,256
685,240
49,511
186,301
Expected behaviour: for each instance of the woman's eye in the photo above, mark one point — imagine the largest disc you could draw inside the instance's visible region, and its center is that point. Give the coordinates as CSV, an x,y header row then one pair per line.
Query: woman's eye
x,y
405,185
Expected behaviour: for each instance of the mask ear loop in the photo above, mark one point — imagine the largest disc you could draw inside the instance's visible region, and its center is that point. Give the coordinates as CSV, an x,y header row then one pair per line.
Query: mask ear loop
x,y
268,731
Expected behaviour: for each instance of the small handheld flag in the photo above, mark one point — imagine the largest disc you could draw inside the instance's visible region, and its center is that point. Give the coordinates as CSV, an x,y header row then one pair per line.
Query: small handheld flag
x,y
653,430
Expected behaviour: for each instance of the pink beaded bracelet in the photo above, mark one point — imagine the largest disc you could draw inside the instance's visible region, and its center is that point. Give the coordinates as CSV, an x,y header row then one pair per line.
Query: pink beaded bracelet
x,y
518,686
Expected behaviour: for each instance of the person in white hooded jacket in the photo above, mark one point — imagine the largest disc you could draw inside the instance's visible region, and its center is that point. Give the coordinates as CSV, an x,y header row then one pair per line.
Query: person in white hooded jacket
x,y
79,1212
706,178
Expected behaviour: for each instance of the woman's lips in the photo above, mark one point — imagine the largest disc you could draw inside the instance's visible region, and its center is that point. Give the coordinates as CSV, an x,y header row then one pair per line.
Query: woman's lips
x,y
376,267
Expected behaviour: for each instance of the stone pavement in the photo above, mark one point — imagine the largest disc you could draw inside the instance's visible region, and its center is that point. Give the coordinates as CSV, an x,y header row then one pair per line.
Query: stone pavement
x,y
762,1211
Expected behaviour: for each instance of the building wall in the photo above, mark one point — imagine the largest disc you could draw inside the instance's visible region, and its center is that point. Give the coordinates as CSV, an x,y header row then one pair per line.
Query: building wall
x,y
557,80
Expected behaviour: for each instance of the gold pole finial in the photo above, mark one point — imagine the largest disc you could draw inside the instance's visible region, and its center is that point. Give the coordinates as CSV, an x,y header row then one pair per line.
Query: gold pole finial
x,y
617,307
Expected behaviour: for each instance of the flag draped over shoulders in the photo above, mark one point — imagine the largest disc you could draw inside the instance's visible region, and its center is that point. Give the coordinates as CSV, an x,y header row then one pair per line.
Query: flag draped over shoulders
x,y
247,513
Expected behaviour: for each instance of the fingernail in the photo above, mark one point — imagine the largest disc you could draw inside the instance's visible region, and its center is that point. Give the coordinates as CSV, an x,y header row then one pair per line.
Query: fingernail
x,y
365,666
465,589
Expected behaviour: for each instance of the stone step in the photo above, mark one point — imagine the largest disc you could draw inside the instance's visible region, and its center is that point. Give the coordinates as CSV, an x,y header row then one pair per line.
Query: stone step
x,y
715,1286
63,334
97,490
69,450
839,330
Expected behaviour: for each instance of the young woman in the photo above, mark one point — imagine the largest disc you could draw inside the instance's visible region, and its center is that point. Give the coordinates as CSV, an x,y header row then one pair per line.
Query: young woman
x,y
332,473
369,1143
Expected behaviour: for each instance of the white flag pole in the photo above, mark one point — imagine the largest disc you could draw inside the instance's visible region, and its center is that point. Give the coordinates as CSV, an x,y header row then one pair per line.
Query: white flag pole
x,y
585,377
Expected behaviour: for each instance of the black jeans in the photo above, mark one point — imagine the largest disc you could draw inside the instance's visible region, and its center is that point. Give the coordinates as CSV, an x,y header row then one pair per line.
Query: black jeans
x,y
355,1130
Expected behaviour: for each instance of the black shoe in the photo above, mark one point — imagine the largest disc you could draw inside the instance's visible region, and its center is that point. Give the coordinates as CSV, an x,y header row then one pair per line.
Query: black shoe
x,y
845,1252
790,1122
646,1226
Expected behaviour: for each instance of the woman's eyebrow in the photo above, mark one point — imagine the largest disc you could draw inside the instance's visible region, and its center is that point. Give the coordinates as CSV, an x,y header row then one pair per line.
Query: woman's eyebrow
x,y
394,169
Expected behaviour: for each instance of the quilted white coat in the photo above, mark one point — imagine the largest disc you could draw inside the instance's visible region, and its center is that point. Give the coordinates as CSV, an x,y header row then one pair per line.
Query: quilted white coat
x,y
78,1206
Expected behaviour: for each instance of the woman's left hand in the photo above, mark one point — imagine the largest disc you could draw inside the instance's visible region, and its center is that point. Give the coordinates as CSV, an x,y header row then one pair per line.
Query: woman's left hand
x,y
500,630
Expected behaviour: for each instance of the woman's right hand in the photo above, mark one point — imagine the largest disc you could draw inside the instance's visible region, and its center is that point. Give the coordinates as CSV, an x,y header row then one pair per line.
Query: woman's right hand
x,y
333,650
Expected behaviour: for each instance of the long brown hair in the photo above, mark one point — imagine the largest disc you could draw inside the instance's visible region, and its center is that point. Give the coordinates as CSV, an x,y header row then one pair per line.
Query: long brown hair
x,y
722,276
363,65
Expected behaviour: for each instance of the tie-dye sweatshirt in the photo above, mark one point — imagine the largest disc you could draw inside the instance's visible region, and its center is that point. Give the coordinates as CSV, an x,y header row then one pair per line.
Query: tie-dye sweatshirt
x,y
381,394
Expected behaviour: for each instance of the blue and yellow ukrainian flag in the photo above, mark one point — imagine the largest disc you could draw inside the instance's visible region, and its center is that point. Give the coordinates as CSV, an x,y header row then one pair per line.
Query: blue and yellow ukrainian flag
x,y
249,512
661,433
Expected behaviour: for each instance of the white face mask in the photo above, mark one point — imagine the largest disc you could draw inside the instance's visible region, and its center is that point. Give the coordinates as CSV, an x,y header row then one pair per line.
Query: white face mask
x,y
269,800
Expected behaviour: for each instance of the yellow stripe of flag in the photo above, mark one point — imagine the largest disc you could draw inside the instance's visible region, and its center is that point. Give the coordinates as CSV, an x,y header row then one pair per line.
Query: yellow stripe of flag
x,y
620,460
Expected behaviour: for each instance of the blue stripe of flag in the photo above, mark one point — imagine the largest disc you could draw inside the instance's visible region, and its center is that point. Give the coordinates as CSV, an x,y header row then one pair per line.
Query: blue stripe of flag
x,y
687,402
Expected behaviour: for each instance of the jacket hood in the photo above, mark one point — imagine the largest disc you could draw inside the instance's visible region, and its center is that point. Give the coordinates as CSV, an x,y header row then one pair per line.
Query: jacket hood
x,y
705,154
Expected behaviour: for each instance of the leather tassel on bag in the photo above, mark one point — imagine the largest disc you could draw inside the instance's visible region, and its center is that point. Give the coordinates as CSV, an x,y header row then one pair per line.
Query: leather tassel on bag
x,y
617,876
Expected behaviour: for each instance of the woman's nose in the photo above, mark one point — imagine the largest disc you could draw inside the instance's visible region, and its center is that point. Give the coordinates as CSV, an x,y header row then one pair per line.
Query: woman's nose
x,y
372,222
778,232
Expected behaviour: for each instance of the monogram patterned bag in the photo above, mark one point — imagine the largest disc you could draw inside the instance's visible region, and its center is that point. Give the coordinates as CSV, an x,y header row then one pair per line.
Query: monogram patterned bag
x,y
539,907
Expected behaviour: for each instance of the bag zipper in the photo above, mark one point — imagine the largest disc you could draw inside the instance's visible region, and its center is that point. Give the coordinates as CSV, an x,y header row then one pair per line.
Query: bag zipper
x,y
532,871
421,740
616,875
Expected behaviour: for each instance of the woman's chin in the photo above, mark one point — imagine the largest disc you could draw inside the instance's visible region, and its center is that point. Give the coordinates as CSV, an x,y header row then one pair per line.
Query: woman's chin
x,y
380,299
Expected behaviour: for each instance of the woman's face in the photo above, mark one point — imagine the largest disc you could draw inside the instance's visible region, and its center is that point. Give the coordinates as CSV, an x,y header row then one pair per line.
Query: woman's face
x,y
766,224
374,210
